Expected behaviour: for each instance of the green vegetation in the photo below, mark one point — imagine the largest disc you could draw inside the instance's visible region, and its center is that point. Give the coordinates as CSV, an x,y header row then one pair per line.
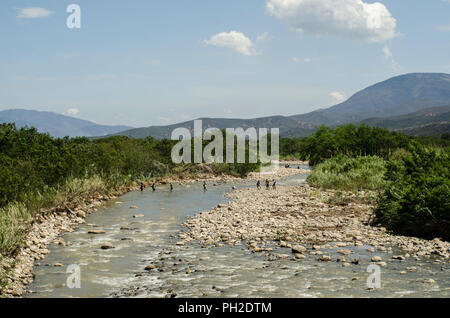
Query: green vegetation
x,y
412,175
349,140
417,200
345,173
38,171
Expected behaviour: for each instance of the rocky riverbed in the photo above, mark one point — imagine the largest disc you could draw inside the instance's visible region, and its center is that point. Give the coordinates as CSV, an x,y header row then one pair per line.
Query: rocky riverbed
x,y
306,220
50,224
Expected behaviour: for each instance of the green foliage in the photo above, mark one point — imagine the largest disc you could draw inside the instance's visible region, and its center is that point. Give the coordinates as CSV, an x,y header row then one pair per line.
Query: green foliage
x,y
345,173
417,201
352,141
31,163
349,140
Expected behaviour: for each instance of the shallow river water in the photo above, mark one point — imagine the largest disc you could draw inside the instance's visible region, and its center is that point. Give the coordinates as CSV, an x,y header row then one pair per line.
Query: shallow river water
x,y
193,271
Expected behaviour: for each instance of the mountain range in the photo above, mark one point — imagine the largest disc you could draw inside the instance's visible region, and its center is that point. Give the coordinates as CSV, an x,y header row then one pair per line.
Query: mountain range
x,y
57,125
415,104
401,95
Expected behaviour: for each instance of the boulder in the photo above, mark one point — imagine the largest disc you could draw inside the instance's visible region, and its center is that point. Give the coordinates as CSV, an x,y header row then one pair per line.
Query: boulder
x,y
298,249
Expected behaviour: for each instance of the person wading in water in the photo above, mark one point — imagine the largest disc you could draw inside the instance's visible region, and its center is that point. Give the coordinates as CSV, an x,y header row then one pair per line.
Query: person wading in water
x,y
171,187
258,185
204,186
267,184
153,187
142,186
274,185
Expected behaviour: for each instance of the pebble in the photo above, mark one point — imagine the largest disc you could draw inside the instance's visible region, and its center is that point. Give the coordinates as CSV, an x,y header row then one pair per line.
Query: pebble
x,y
376,259
96,232
107,246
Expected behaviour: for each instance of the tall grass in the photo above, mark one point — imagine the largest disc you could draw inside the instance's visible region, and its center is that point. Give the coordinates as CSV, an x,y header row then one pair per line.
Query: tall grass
x,y
345,173
16,216
13,223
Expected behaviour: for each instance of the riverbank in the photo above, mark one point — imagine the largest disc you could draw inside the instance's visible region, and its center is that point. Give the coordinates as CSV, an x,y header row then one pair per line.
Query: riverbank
x,y
49,224
307,220
44,229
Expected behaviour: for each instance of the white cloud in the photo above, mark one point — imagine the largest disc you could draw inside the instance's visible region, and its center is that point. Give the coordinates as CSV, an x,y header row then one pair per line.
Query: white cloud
x,y
33,13
390,57
298,60
338,96
352,19
443,28
262,37
234,40
72,111
387,52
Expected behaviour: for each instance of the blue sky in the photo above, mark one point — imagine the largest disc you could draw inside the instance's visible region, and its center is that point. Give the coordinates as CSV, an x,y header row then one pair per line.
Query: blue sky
x,y
155,62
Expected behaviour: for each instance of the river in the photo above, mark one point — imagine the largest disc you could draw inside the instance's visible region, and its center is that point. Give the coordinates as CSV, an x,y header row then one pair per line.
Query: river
x,y
193,271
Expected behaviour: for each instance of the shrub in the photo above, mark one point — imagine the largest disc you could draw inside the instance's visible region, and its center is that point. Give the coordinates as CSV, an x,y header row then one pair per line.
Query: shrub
x,y
345,173
417,200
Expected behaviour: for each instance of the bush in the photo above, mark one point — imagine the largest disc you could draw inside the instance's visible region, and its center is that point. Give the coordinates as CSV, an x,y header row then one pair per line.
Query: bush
x,y
417,200
345,173
349,140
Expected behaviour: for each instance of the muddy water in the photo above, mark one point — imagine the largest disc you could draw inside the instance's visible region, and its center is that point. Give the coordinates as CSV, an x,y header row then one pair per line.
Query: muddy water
x,y
192,271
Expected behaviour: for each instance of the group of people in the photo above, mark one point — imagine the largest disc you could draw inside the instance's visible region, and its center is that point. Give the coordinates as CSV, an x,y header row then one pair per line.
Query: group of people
x,y
154,187
268,182
258,185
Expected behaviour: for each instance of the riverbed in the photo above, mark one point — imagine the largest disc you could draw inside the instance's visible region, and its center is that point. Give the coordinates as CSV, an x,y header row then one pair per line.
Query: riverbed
x,y
144,260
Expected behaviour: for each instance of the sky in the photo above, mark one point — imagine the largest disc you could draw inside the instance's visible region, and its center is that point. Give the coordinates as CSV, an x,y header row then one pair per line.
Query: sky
x,y
157,62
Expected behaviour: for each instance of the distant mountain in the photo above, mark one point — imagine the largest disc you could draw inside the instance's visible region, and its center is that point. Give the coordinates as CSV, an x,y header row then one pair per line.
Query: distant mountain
x,y
57,125
397,96
284,123
421,118
428,130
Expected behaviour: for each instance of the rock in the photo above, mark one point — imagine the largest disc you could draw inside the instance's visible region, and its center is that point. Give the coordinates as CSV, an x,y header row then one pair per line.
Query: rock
x,y
282,256
299,256
429,281
138,216
81,214
341,259
356,261
58,265
371,250
149,267
382,264
181,243
134,207
298,249
96,232
345,252
376,259
107,246
398,257
325,258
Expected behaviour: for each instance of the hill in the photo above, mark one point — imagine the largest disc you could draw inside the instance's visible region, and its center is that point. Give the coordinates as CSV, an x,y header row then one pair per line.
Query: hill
x,y
397,96
57,125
